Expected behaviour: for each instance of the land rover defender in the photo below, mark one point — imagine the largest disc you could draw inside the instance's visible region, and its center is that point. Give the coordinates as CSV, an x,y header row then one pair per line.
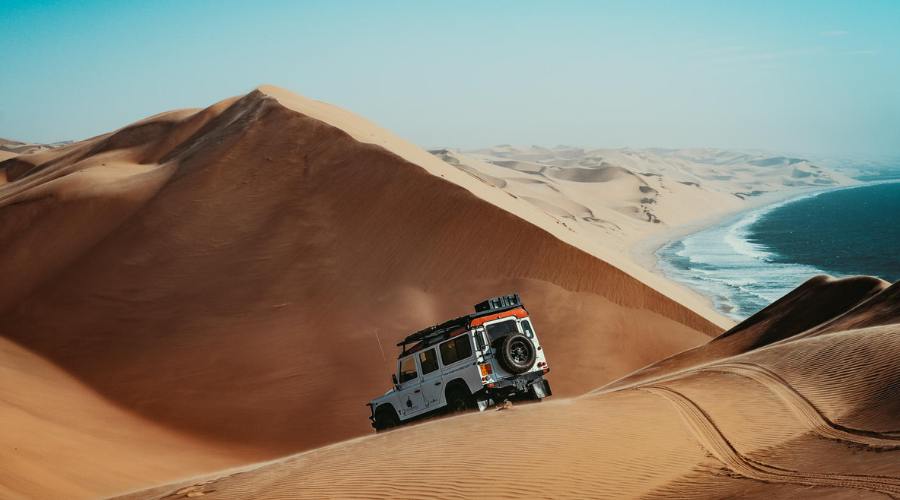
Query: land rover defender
x,y
470,362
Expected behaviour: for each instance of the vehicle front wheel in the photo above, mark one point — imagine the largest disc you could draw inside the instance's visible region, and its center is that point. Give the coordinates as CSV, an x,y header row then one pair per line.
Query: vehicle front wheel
x,y
385,418
459,400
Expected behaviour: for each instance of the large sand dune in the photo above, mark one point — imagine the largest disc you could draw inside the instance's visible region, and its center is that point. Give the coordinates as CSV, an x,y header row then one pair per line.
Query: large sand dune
x,y
796,411
206,288
235,277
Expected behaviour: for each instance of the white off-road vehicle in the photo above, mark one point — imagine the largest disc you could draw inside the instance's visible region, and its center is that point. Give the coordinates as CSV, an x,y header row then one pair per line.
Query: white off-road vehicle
x,y
473,361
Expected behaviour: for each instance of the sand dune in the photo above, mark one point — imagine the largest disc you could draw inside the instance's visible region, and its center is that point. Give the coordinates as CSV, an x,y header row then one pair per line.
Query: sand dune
x,y
807,416
211,287
23,148
807,309
232,275
641,193
604,173
58,436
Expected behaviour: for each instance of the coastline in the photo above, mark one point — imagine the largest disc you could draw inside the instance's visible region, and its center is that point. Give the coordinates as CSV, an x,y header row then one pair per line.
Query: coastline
x,y
643,252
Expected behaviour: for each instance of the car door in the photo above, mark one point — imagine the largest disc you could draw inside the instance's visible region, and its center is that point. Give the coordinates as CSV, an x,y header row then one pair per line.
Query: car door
x,y
410,397
432,379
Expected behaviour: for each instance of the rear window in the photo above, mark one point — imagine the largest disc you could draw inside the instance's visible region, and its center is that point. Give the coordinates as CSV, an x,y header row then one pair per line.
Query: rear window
x,y
501,329
408,369
428,361
455,350
526,327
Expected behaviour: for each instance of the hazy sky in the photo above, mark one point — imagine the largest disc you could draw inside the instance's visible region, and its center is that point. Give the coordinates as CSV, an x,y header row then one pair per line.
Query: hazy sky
x,y
814,77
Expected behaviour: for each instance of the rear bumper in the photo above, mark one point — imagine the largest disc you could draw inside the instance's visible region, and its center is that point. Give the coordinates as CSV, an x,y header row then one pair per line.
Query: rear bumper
x,y
519,386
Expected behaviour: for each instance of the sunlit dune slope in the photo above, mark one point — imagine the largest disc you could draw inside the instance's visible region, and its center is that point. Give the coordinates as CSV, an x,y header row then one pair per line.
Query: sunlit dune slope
x,y
811,416
240,273
811,307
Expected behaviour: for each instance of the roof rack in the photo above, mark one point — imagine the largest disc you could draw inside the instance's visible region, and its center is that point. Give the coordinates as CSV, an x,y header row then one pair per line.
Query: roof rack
x,y
493,305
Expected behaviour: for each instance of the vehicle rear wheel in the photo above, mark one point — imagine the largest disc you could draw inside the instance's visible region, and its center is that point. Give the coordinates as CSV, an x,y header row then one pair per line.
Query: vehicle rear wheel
x,y
459,399
385,418
517,354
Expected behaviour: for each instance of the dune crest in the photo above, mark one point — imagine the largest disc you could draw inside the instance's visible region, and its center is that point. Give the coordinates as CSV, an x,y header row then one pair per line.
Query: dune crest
x,y
814,413
220,272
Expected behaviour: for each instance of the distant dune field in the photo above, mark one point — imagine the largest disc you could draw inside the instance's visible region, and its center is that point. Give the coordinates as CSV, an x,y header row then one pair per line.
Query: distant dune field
x,y
620,196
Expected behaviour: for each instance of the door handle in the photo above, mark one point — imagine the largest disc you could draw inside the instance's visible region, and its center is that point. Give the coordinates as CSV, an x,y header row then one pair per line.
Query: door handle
x,y
437,383
418,390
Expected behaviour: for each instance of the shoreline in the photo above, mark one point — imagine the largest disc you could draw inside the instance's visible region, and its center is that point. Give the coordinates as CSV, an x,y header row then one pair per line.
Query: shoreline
x,y
643,252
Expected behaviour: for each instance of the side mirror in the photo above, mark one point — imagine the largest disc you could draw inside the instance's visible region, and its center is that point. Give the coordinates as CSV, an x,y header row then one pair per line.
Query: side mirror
x,y
394,379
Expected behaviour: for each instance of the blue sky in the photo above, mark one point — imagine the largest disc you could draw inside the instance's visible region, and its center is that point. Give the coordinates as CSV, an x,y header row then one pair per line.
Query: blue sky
x,y
805,77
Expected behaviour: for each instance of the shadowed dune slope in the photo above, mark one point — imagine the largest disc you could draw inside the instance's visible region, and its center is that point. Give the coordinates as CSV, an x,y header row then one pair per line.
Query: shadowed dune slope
x,y
57,435
241,273
808,416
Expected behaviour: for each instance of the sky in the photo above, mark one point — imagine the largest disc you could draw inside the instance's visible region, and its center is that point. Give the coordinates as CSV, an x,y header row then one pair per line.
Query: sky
x,y
815,77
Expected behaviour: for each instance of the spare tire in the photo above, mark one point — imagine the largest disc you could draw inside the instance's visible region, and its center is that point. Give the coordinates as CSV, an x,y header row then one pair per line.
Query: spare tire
x,y
516,354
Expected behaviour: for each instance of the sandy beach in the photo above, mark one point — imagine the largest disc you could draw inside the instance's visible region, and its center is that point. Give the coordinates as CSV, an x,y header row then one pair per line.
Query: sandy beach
x,y
644,251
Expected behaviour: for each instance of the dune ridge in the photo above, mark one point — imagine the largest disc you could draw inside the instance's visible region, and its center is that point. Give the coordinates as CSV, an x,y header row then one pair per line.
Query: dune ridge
x,y
203,284
220,273
810,415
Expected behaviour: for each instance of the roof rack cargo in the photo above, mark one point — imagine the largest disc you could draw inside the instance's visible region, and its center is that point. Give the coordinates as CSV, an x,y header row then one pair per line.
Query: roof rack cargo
x,y
502,302
490,306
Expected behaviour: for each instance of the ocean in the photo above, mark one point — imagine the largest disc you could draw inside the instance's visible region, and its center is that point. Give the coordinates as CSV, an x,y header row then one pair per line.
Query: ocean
x,y
748,261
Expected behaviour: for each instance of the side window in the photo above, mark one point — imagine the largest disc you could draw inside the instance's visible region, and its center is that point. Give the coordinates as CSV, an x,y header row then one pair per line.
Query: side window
x,y
463,347
408,369
501,329
456,349
428,360
526,327
448,353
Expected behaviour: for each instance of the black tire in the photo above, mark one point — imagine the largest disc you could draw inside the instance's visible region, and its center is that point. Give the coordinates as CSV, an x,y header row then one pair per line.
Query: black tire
x,y
459,399
516,354
385,418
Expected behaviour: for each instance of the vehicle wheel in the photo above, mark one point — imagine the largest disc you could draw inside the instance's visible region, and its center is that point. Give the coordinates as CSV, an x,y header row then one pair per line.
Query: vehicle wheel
x,y
459,400
517,354
385,418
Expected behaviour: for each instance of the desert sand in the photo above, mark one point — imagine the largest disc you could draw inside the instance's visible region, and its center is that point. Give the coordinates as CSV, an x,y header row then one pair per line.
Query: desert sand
x,y
800,400
633,201
236,276
622,196
61,440
213,287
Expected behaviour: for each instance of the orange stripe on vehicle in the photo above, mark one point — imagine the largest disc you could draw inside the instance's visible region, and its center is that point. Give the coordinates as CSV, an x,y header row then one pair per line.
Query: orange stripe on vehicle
x,y
517,312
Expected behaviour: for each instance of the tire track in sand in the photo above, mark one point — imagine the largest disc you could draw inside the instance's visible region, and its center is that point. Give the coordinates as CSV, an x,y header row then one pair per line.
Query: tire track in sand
x,y
803,407
712,439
